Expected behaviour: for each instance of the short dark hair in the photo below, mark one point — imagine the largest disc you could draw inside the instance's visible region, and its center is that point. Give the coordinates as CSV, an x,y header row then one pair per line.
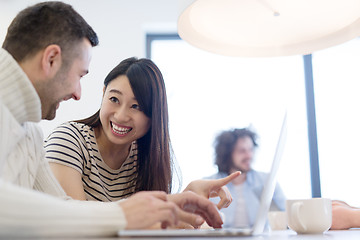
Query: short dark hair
x,y
43,24
155,164
225,144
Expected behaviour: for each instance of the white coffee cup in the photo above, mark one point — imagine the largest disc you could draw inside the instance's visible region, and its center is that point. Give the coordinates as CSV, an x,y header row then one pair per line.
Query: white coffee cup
x,y
312,215
277,220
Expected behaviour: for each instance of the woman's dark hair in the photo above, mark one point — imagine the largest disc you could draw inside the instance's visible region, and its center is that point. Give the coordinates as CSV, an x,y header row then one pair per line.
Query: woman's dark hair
x,y
154,149
225,144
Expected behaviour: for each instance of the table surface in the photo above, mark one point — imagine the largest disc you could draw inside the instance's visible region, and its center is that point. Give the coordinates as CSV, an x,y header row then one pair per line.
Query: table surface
x,y
352,234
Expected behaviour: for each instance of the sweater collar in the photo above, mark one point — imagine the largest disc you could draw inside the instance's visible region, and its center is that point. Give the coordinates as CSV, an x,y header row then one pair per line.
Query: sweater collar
x,y
17,92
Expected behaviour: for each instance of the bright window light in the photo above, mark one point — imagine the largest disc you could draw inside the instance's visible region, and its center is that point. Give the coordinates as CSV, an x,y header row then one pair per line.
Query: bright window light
x,y
209,93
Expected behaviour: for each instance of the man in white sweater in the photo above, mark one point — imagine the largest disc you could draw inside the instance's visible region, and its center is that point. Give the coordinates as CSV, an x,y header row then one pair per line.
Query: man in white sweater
x,y
45,53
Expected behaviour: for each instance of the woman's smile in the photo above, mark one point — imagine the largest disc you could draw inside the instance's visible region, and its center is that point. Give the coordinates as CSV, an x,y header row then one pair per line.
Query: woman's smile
x,y
119,130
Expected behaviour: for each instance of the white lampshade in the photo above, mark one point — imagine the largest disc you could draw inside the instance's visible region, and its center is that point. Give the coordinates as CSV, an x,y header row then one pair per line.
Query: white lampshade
x,y
265,28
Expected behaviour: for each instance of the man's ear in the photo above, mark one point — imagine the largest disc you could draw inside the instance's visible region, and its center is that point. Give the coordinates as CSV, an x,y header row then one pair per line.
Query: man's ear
x,y
51,60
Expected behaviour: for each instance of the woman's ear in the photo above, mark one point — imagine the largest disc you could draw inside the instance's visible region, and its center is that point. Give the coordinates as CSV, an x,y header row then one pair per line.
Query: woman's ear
x,y
51,60
104,88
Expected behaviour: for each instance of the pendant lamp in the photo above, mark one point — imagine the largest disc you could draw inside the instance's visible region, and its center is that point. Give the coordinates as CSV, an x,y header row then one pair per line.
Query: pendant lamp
x,y
268,28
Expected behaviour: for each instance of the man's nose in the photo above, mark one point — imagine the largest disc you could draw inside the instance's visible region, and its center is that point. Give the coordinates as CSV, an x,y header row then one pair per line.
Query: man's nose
x,y
77,94
249,154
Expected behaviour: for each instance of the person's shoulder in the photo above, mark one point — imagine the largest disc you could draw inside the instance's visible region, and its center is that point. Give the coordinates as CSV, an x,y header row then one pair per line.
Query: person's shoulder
x,y
253,174
259,173
74,129
33,129
71,126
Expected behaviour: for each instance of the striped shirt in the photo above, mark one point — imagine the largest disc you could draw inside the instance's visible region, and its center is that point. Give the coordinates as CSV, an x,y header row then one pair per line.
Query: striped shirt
x,y
74,145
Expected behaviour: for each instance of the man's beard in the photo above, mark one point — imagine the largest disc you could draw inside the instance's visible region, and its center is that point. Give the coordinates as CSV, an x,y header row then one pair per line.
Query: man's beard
x,y
240,169
51,113
237,168
55,84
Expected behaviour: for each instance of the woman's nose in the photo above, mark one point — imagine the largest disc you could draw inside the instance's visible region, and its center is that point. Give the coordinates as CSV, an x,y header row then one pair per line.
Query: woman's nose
x,y
122,114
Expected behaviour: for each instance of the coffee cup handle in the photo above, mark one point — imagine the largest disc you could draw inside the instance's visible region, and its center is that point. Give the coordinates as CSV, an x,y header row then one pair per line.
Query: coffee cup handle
x,y
295,208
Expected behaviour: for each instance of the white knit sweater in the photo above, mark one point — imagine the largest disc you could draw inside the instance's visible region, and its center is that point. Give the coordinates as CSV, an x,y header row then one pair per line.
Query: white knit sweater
x,y
26,181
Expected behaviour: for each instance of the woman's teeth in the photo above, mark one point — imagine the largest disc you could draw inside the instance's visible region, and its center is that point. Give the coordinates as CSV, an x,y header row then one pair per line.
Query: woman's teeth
x,y
120,130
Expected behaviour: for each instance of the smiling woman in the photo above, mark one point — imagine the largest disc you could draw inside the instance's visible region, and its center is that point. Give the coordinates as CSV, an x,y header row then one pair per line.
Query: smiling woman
x,y
118,150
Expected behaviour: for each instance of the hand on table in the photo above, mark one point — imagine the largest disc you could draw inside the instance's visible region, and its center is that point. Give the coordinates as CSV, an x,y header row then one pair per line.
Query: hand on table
x,y
144,209
344,216
183,210
195,210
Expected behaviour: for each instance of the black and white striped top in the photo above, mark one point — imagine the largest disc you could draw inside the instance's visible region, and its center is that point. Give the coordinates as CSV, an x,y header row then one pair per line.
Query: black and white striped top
x,y
74,145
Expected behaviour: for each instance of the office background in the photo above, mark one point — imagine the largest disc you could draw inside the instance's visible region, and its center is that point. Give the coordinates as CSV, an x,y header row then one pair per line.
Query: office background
x,y
256,93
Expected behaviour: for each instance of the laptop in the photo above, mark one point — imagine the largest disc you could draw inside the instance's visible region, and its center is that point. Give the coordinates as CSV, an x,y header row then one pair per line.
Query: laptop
x,y
261,217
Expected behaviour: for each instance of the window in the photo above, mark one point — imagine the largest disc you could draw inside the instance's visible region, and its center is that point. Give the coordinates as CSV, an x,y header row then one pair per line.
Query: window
x,y
209,93
337,99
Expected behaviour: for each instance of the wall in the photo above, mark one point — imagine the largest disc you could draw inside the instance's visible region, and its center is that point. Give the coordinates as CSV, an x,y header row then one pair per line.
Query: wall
x,y
121,26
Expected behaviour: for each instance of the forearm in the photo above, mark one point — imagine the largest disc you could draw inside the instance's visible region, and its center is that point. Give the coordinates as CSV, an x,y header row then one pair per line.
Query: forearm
x,y
28,213
354,218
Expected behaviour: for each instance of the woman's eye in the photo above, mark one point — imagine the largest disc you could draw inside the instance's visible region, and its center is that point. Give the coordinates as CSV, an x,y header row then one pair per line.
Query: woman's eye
x,y
114,99
136,106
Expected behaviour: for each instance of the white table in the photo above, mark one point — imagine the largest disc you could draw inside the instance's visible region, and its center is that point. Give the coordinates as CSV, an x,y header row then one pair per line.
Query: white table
x,y
352,234
333,235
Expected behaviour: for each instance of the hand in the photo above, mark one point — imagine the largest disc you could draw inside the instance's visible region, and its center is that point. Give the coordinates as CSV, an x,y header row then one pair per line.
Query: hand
x,y
195,209
343,216
341,203
144,209
214,188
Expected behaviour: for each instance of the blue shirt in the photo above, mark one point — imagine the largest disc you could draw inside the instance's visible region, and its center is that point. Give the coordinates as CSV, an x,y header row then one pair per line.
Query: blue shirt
x,y
252,189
